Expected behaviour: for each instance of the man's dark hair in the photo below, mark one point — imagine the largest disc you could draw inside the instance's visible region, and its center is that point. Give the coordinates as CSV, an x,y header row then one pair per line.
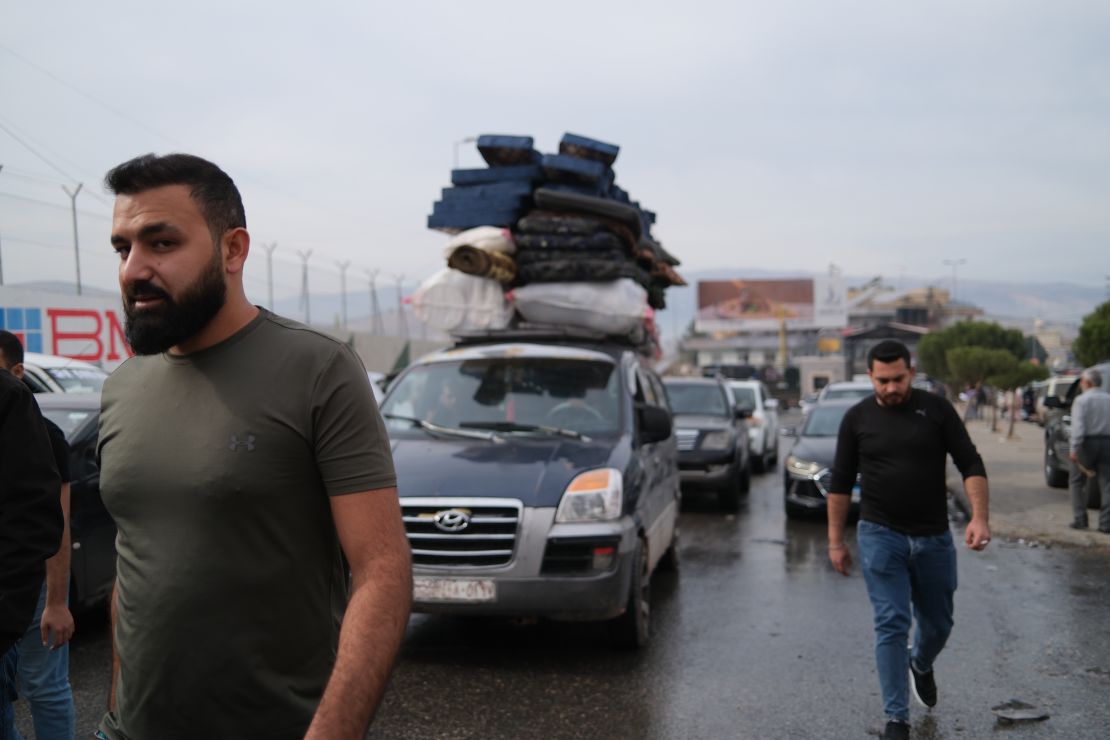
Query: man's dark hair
x,y
888,350
210,187
11,347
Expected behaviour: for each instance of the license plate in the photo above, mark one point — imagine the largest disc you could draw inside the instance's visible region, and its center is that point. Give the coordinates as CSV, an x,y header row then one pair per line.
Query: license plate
x,y
855,494
453,589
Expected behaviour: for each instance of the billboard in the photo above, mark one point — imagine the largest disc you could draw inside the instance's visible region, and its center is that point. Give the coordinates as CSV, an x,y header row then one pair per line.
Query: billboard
x,y
88,327
762,305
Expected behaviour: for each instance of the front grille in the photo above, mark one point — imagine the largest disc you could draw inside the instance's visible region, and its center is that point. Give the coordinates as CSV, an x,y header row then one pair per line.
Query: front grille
x,y
487,540
687,439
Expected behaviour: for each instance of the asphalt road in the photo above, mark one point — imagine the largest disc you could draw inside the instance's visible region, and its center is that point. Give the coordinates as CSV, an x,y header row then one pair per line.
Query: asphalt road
x,y
755,637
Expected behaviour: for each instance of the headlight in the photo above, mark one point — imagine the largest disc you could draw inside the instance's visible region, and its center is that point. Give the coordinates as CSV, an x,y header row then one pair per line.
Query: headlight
x,y
593,496
801,468
721,440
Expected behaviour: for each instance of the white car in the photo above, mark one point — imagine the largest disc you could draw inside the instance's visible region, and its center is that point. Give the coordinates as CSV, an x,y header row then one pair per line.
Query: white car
x,y
763,425
54,374
846,390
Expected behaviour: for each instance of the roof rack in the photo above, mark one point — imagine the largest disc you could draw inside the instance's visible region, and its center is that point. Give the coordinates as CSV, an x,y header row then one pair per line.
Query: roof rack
x,y
532,332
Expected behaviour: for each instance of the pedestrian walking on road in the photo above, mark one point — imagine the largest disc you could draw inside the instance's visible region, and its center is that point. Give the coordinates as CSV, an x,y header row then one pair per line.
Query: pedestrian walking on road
x,y
1090,448
244,461
898,441
42,665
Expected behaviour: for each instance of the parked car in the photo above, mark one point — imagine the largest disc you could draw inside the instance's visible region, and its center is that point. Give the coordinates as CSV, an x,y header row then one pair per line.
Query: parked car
x,y
92,531
763,424
1057,437
807,467
1057,388
537,479
846,389
55,374
712,438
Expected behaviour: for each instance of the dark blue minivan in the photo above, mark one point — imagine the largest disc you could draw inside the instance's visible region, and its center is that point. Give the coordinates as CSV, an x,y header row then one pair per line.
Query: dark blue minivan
x,y
537,478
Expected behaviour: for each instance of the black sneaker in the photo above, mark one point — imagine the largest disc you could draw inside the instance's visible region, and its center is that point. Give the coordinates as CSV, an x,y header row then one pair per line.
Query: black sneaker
x,y
924,687
896,730
1077,525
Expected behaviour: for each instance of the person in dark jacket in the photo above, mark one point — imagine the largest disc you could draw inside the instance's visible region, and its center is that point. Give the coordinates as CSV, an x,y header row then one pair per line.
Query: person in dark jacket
x,y
30,516
898,442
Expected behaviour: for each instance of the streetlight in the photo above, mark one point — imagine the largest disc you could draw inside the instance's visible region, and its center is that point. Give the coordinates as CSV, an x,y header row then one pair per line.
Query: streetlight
x,y
955,264
467,140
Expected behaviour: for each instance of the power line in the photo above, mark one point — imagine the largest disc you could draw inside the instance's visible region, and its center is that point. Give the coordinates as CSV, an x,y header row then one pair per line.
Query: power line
x,y
34,151
129,118
48,204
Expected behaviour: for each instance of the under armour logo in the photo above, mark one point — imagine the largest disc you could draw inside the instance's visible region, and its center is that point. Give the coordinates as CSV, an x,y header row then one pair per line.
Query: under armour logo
x,y
919,411
236,443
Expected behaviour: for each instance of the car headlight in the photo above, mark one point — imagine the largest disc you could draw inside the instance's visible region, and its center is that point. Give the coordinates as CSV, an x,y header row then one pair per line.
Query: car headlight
x,y
720,440
593,496
801,468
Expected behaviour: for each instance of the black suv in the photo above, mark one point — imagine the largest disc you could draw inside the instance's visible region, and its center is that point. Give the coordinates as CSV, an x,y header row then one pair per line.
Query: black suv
x,y
712,437
1057,433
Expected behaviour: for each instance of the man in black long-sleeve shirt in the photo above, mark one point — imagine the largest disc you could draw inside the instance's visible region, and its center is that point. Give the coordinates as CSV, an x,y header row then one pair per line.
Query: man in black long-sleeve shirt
x,y
30,515
898,441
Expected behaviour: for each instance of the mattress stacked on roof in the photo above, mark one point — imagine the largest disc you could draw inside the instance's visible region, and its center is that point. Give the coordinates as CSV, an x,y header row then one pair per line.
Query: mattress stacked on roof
x,y
570,222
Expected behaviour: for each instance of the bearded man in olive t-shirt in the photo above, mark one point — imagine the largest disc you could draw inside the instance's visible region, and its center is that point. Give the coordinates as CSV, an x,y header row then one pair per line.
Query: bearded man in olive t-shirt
x,y
242,456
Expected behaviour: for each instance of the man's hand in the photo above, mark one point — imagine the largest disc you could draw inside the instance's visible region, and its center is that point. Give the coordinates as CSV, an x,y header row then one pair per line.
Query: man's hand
x,y
841,558
1073,457
56,625
978,534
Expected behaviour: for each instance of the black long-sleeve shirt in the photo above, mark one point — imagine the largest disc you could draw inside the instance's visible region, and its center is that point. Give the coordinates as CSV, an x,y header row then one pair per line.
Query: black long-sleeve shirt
x,y
900,453
30,509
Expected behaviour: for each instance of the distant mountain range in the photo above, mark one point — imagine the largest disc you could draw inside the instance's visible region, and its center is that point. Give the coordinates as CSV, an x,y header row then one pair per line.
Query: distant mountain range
x,y
1059,306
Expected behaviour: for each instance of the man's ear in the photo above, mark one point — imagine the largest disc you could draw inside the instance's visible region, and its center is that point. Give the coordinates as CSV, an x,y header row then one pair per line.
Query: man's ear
x,y
17,370
236,246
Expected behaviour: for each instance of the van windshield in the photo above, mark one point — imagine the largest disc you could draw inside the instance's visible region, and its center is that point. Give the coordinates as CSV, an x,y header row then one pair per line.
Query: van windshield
x,y
509,394
77,379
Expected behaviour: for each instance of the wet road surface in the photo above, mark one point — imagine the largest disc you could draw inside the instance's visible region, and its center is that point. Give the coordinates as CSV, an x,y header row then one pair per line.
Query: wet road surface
x,y
755,637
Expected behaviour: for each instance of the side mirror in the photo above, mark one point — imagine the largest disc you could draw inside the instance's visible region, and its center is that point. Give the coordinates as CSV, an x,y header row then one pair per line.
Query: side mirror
x,y
1053,402
771,404
655,423
743,411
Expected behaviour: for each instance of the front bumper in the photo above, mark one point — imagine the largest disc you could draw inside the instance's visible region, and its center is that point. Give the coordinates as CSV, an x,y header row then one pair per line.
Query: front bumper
x,y
809,491
552,574
707,469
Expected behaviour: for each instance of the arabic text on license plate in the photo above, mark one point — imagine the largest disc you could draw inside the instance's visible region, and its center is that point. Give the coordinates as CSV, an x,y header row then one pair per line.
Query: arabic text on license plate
x,y
453,589
855,493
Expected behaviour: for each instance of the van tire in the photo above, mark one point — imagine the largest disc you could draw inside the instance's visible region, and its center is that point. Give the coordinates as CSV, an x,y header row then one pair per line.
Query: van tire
x,y
632,629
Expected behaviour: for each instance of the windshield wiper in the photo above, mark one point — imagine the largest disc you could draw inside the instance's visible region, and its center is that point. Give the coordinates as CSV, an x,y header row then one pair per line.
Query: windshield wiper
x,y
452,431
512,426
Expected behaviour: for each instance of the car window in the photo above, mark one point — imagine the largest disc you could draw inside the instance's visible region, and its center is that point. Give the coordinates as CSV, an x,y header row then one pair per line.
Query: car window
x,y
660,391
745,396
77,379
834,394
68,420
648,391
697,399
824,421
576,394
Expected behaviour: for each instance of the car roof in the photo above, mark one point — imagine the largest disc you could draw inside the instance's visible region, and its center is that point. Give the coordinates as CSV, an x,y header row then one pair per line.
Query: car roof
x,y
53,361
690,380
746,383
848,384
834,402
82,401
518,349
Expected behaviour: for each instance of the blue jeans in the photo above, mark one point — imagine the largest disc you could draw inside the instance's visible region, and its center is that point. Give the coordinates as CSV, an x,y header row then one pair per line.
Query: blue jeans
x,y
44,683
902,571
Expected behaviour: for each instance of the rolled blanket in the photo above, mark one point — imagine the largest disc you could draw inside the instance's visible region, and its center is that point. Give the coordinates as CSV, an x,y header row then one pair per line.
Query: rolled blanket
x,y
601,241
580,270
531,256
488,238
474,261
566,224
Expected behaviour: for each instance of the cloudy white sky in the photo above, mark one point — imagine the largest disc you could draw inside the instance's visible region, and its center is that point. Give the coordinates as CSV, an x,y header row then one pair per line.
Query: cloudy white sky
x,y
885,137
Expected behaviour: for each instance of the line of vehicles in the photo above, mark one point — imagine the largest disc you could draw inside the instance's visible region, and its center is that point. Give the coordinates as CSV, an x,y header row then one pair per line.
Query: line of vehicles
x,y
541,472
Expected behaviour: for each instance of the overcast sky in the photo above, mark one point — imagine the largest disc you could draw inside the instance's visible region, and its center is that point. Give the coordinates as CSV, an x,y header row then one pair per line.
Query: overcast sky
x,y
884,137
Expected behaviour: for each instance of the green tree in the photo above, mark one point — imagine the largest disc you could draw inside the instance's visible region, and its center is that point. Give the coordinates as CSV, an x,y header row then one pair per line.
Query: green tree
x,y
973,365
932,351
1093,343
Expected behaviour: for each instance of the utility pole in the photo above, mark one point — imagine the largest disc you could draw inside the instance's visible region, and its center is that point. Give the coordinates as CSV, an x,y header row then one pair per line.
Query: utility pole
x,y
76,254
376,326
955,264
304,255
343,288
401,323
270,272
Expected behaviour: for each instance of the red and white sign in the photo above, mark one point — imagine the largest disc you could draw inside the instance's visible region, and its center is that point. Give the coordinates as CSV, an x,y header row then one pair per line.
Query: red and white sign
x,y
88,328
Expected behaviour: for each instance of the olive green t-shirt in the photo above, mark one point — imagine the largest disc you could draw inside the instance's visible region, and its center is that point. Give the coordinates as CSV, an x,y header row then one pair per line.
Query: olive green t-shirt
x,y
217,468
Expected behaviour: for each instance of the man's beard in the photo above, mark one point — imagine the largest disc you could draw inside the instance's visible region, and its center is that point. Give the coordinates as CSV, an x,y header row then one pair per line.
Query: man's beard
x,y
154,330
895,399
